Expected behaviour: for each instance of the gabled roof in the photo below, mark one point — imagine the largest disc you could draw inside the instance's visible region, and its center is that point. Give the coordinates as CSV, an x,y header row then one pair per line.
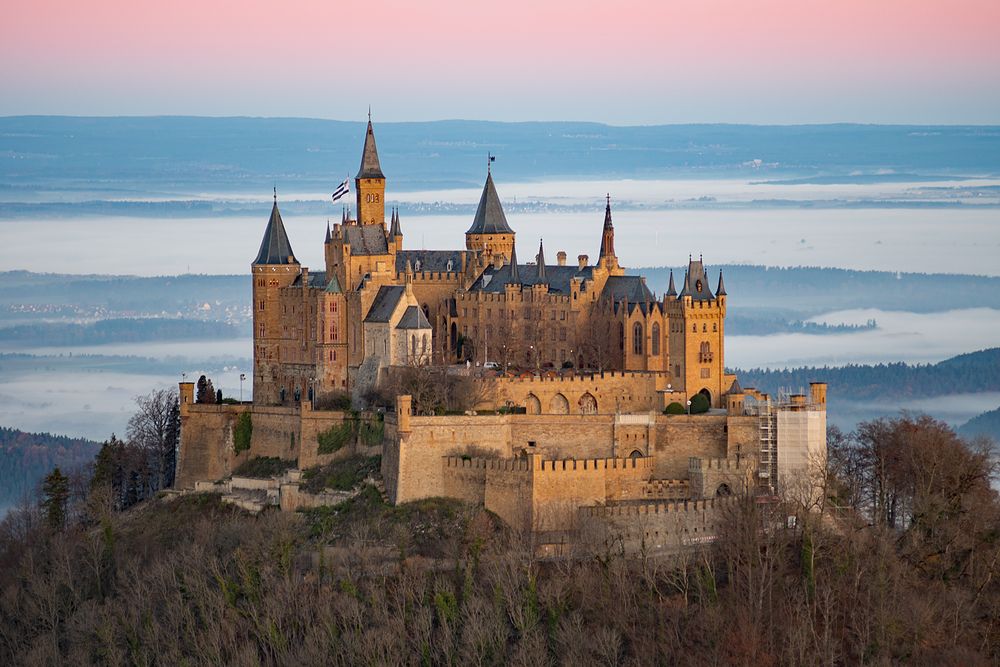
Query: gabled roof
x,y
370,168
275,248
413,318
490,218
629,288
694,279
385,303
366,239
334,285
316,280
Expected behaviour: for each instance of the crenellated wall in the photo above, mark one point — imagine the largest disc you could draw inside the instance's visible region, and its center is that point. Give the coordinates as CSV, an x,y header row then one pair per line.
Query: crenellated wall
x,y
652,527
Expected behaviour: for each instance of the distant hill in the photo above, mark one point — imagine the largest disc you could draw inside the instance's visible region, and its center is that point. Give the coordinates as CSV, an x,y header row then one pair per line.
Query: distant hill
x,y
966,373
986,424
58,154
129,330
27,457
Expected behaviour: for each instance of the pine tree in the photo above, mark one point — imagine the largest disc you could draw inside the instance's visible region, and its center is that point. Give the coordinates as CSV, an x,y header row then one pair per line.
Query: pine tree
x,y
55,497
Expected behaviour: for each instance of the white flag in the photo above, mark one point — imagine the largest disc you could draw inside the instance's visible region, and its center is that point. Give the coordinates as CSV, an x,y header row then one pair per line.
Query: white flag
x,y
341,190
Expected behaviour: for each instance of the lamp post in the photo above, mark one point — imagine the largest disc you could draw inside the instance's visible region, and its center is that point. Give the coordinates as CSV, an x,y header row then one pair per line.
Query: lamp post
x,y
242,378
689,407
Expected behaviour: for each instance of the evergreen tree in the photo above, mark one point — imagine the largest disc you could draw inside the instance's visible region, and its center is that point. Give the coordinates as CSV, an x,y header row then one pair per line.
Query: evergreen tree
x,y
55,496
173,441
204,390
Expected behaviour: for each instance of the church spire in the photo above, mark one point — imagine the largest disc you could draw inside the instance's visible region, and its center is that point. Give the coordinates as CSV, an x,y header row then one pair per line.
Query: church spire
x,y
608,234
671,290
541,261
328,238
721,290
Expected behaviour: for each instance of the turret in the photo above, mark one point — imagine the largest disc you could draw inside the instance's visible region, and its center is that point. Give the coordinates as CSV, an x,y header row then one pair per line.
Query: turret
x,y
540,259
607,255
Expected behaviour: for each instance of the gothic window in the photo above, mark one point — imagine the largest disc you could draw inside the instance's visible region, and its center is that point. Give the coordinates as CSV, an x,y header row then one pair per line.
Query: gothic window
x,y
715,326
427,311
423,344
637,339
559,405
655,346
705,353
587,404
704,328
694,328
413,344
262,305
621,336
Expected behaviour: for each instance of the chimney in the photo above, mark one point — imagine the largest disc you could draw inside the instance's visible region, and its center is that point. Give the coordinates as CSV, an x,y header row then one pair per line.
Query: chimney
x,y
561,258
583,259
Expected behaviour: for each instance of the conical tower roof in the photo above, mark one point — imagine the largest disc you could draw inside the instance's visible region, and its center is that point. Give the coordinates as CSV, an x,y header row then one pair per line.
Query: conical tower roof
x,y
671,290
394,231
370,167
608,233
275,248
541,261
328,237
490,218
515,275
721,290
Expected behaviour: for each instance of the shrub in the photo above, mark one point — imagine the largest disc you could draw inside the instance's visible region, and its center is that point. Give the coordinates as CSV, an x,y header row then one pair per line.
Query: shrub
x,y
341,475
699,404
335,400
336,436
263,466
242,432
674,408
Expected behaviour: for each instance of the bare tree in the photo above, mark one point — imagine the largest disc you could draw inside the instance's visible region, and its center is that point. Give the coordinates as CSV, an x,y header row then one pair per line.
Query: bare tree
x,y
155,428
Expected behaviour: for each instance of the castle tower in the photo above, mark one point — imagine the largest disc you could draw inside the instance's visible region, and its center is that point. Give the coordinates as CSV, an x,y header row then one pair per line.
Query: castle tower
x,y
331,356
369,184
607,257
274,268
395,233
490,232
697,333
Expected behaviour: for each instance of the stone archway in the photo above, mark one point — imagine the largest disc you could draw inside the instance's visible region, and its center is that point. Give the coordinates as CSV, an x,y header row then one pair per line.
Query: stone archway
x,y
636,454
707,394
532,405
587,404
559,405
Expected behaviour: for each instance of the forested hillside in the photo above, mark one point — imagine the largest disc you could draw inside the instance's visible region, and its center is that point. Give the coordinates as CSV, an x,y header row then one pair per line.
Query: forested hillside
x,y
27,457
966,373
986,424
120,330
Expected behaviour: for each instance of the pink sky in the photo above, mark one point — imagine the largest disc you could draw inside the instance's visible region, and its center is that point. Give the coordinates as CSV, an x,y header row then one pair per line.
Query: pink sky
x,y
620,62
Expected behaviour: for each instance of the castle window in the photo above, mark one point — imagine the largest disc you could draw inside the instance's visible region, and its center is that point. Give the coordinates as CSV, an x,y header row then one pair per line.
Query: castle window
x,y
637,339
413,344
423,344
706,373
655,345
715,326
621,336
677,370
704,328
694,328
562,333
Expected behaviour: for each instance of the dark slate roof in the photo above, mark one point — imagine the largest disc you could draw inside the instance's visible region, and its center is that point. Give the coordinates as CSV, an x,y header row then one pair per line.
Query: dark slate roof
x,y
695,275
430,260
721,289
671,290
735,388
607,240
490,218
630,288
317,280
334,285
366,239
370,168
275,248
540,262
385,303
556,277
413,318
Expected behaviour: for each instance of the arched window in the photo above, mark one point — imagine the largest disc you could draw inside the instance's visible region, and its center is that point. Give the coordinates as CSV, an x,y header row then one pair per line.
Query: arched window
x,y
532,405
637,339
694,328
559,405
715,326
413,344
655,344
587,404
423,345
621,336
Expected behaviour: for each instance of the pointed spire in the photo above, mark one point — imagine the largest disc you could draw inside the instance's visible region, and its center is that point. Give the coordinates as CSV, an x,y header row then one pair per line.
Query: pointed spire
x,y
721,289
541,261
671,290
275,248
490,218
394,231
515,275
328,237
608,234
370,167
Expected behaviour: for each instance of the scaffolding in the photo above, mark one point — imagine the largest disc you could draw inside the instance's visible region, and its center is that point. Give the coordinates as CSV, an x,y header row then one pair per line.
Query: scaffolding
x,y
767,429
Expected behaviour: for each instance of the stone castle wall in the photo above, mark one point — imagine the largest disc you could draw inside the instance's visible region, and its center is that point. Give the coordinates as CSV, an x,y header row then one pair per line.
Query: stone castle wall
x,y
652,526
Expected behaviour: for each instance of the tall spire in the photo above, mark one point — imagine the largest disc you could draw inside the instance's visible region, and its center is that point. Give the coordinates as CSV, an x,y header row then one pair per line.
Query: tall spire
x,y
490,218
394,231
721,289
370,167
515,275
275,248
671,290
541,261
328,238
608,234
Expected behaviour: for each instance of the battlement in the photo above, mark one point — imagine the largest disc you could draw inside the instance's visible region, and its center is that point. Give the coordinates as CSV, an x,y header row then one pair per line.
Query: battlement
x,y
730,464
579,377
666,488
645,509
644,463
474,463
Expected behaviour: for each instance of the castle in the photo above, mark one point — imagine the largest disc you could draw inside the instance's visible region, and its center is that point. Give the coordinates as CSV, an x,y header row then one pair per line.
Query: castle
x,y
574,363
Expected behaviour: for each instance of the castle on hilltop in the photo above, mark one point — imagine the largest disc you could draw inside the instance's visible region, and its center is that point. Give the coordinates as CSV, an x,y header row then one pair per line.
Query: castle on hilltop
x,y
582,379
